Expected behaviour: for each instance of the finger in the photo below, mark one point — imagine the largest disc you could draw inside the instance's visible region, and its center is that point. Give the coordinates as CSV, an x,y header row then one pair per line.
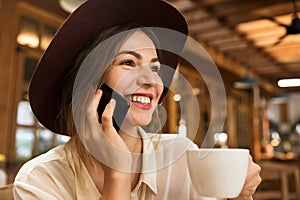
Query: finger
x,y
254,172
97,97
253,179
92,107
250,161
107,122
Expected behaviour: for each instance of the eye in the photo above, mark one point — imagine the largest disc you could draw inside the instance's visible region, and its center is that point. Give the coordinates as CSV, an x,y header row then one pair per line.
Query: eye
x,y
128,63
155,68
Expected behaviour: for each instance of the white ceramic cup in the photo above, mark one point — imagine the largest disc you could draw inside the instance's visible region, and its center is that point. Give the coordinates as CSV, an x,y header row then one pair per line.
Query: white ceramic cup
x,y
219,173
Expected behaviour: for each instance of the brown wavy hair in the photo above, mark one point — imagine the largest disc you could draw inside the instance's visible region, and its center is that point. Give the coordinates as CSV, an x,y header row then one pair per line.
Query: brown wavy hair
x,y
107,55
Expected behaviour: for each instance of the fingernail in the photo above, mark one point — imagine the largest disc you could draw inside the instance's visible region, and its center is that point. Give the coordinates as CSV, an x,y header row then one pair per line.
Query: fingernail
x,y
113,103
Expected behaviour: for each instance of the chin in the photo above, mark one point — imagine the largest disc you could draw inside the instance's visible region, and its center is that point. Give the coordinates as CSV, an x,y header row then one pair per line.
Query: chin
x,y
141,120
142,123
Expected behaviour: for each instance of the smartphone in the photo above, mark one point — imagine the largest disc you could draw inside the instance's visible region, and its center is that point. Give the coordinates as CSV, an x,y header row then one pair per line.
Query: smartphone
x,y
121,107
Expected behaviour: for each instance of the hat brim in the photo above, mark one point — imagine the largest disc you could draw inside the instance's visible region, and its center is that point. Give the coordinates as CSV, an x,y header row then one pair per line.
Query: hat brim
x,y
81,27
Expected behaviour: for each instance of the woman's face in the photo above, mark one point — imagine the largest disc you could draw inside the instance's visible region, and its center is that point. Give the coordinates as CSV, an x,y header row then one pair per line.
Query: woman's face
x,y
134,74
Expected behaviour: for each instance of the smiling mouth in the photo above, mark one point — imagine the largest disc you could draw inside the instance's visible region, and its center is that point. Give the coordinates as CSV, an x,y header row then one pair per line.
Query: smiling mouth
x,y
144,100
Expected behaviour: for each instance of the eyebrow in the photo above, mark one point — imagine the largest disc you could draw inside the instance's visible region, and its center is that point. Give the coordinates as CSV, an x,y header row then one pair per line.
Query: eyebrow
x,y
137,55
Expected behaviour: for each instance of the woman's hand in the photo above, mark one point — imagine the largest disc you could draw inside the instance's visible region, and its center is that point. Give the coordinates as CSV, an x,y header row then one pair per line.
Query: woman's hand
x,y
106,145
252,181
96,130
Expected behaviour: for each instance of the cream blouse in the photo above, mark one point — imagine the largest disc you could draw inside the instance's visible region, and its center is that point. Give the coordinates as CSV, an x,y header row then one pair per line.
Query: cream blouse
x,y
56,176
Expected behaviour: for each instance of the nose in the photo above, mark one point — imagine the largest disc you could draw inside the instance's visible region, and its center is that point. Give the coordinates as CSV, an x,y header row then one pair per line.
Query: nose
x,y
148,77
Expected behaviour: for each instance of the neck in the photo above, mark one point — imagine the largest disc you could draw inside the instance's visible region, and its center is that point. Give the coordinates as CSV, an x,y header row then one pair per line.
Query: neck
x,y
135,145
132,139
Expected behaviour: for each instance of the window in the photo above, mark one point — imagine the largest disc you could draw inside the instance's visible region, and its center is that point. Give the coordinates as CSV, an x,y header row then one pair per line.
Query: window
x,y
32,138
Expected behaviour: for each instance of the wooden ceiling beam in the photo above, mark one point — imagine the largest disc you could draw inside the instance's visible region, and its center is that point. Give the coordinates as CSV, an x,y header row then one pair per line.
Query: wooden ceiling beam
x,y
214,2
257,63
236,68
288,48
276,74
209,35
233,46
214,24
294,66
186,5
259,13
224,39
237,7
205,26
196,15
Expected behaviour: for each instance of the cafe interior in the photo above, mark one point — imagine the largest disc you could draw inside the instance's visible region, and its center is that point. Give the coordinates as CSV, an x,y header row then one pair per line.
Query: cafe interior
x,y
254,47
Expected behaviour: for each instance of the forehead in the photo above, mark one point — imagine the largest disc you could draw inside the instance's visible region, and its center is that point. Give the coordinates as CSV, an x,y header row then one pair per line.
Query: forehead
x,y
137,41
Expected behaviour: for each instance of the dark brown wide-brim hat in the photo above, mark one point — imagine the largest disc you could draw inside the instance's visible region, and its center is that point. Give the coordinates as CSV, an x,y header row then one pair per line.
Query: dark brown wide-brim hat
x,y
80,28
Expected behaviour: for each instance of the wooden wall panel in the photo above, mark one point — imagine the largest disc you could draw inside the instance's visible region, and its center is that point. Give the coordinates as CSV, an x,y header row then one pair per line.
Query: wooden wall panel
x,y
8,31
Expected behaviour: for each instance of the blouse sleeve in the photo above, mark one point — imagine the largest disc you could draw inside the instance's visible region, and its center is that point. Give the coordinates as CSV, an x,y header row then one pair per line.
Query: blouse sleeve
x,y
44,182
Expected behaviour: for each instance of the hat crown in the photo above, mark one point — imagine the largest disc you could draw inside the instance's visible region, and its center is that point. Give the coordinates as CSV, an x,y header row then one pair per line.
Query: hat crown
x,y
80,28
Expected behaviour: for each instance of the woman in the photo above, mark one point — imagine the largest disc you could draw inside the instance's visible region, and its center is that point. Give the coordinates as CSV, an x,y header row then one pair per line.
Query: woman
x,y
109,42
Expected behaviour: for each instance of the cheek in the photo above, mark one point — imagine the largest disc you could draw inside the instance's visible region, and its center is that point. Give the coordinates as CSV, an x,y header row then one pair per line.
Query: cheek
x,y
160,90
115,78
160,87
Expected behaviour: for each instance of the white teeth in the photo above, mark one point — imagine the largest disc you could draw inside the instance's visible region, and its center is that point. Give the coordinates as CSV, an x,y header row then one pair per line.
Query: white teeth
x,y
140,99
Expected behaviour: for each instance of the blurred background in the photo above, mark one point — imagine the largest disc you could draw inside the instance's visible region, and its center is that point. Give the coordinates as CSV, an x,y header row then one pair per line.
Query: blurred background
x,y
255,45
